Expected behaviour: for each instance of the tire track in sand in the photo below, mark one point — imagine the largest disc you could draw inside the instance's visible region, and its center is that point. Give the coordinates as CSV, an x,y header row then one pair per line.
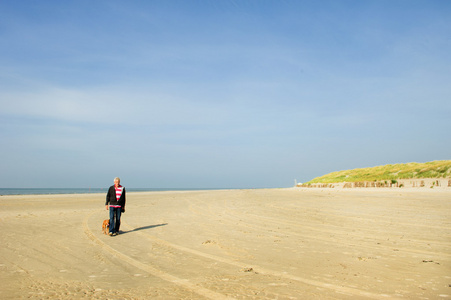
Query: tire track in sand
x,y
265,271
149,269
243,218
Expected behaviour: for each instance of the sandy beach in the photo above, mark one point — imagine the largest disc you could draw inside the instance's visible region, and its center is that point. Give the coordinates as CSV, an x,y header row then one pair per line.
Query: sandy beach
x,y
230,244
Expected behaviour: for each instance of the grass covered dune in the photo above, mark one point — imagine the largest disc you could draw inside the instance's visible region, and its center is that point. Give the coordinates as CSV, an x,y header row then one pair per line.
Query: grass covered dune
x,y
433,169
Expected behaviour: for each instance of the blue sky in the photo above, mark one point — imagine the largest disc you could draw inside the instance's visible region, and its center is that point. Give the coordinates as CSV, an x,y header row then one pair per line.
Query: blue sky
x,y
214,94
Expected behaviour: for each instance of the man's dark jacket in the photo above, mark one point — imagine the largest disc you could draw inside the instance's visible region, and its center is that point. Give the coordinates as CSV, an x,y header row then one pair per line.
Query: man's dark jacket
x,y
112,200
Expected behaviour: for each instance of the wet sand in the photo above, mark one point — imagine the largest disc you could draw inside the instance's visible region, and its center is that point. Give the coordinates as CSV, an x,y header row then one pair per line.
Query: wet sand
x,y
238,244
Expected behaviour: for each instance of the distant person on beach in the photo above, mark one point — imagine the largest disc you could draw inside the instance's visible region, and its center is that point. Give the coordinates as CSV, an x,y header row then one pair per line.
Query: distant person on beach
x,y
115,202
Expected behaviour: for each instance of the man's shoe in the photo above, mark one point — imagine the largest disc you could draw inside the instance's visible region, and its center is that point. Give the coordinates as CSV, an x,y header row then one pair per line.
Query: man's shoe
x,y
110,234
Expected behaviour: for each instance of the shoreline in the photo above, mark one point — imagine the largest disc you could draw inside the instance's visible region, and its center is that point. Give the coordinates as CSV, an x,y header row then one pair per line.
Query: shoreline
x,y
72,191
416,184
296,188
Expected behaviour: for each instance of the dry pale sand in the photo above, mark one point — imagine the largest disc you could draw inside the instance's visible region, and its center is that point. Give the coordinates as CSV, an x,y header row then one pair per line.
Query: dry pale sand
x,y
238,244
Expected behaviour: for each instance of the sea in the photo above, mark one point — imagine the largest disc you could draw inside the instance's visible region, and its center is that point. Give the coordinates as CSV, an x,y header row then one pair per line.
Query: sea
x,y
52,191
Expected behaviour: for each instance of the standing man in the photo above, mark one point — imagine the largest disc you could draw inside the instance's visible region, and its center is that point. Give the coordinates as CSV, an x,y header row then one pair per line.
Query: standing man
x,y
115,202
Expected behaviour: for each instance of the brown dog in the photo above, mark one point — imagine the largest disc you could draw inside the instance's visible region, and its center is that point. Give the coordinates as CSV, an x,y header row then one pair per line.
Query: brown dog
x,y
106,226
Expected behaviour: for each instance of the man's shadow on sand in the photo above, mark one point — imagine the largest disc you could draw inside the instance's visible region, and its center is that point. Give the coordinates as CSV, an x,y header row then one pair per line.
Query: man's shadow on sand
x,y
143,228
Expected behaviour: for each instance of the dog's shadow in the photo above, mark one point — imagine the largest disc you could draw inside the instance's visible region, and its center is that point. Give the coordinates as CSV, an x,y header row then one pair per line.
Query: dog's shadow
x,y
144,228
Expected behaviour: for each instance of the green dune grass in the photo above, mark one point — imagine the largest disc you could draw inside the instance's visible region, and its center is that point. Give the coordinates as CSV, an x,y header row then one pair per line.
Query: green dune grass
x,y
433,169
